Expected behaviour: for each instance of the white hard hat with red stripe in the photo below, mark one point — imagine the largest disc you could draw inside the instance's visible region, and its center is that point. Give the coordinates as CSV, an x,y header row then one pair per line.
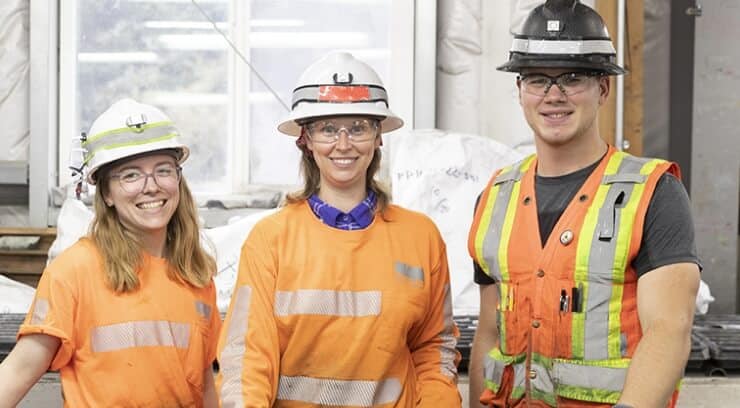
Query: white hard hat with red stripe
x,y
339,84
129,128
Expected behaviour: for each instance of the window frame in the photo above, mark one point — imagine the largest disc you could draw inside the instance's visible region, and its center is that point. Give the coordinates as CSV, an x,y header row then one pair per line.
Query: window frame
x,y
54,107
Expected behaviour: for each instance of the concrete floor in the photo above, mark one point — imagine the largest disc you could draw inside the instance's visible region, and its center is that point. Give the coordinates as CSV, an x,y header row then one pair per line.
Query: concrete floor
x,y
697,392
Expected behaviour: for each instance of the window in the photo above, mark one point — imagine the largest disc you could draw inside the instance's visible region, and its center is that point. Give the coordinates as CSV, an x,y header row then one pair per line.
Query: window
x,y
168,54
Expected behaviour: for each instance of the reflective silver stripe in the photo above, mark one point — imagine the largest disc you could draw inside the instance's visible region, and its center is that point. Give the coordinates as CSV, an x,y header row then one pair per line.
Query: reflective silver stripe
x,y
493,370
126,136
328,303
592,377
203,309
40,311
323,391
448,355
492,239
542,380
562,47
311,94
447,350
231,359
411,272
601,264
148,333
520,378
624,178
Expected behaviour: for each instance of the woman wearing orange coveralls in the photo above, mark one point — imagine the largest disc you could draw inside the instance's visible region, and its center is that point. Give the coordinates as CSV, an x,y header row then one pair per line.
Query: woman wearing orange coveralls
x,y
342,299
127,314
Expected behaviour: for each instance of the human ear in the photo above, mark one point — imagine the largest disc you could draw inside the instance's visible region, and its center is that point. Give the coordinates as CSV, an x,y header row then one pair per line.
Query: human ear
x,y
604,87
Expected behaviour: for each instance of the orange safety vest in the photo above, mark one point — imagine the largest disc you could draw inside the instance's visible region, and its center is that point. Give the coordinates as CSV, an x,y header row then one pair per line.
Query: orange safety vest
x,y
567,313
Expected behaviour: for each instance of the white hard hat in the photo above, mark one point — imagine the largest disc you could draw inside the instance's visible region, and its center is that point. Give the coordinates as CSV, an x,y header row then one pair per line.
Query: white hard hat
x,y
339,84
126,129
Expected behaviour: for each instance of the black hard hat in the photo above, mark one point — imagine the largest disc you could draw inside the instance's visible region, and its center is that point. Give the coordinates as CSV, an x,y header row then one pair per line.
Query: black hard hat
x,y
563,34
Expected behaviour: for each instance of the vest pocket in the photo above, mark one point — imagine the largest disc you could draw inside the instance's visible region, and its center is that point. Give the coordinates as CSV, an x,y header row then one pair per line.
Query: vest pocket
x,y
503,379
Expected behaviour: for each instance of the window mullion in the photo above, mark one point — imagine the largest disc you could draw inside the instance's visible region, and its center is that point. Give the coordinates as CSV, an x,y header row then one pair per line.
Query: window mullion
x,y
239,89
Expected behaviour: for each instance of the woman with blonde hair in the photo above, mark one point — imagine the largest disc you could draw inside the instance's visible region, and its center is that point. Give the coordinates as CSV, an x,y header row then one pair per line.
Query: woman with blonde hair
x,y
342,298
128,313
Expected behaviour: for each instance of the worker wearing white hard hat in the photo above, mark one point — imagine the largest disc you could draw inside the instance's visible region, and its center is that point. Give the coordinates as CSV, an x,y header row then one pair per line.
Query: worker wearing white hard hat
x,y
342,298
133,303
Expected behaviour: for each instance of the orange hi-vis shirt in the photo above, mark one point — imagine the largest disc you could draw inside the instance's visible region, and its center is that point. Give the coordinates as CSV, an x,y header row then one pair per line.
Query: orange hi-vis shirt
x,y
147,348
328,317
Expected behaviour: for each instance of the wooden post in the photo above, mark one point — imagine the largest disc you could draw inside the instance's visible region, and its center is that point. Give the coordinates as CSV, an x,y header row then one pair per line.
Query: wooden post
x,y
633,87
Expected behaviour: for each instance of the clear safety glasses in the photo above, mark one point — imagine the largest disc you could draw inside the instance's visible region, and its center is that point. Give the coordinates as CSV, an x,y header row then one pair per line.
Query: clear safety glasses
x,y
357,130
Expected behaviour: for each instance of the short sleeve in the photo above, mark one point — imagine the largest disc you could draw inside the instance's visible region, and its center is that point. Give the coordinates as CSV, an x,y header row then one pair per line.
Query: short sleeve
x,y
52,311
668,233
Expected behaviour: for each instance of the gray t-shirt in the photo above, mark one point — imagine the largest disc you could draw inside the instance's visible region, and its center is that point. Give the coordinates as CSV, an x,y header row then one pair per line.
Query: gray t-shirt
x,y
668,233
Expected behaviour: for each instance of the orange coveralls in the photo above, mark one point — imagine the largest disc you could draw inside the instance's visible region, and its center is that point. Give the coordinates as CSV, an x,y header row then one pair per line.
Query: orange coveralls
x,y
322,316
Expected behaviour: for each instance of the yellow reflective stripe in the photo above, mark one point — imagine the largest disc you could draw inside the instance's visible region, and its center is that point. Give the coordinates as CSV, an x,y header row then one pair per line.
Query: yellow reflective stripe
x,y
503,261
583,253
592,380
139,129
503,300
485,222
92,153
503,248
549,399
624,239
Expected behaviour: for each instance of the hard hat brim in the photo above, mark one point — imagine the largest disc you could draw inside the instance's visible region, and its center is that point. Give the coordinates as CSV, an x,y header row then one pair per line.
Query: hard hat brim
x,y
587,62
111,156
310,111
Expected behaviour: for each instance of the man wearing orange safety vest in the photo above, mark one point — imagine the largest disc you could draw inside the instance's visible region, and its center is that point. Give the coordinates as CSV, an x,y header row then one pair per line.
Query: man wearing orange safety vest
x,y
585,255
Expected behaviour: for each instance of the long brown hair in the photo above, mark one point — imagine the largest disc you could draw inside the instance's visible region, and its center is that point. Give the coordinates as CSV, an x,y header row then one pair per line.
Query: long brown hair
x,y
122,249
312,178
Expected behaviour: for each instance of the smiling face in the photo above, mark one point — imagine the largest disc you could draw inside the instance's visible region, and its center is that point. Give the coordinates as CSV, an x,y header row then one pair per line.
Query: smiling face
x,y
144,209
343,163
558,119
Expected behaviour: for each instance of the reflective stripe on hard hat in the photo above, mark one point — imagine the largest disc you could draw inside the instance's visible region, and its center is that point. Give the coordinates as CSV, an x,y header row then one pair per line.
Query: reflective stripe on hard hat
x,y
328,303
339,85
537,46
140,334
330,391
126,129
127,137
340,94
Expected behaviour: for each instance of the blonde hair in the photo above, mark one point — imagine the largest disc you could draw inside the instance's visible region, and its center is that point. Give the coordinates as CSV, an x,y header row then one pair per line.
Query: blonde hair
x,y
122,248
312,178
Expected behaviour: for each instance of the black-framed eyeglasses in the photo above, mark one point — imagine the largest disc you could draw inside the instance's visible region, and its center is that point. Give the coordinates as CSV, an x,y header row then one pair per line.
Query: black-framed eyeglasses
x,y
569,83
134,180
